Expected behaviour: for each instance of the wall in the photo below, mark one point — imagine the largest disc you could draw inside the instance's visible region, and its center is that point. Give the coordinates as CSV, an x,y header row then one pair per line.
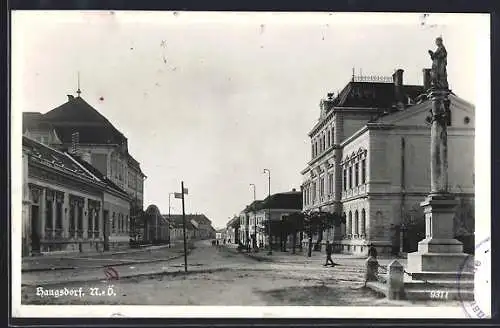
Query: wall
x,y
116,205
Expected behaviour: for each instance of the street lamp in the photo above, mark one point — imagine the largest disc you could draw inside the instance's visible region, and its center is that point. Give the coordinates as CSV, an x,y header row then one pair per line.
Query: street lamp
x,y
269,209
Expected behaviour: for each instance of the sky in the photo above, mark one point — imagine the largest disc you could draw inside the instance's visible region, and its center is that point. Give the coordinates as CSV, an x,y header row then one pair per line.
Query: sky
x,y
212,99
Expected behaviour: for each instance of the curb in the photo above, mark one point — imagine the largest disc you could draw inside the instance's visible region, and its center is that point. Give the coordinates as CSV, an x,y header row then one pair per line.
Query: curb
x,y
85,255
146,274
103,266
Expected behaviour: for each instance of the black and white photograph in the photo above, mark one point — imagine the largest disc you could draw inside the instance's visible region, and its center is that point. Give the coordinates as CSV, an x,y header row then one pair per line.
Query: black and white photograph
x,y
250,164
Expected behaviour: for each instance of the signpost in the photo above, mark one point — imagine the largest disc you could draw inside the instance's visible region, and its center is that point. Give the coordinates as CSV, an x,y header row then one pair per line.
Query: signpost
x,y
181,195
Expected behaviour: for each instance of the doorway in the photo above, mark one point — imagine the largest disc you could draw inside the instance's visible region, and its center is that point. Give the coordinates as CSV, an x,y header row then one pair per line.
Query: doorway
x,y
35,235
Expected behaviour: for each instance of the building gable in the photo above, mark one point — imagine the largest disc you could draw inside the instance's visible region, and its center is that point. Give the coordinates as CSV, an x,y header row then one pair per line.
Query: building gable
x,y
462,115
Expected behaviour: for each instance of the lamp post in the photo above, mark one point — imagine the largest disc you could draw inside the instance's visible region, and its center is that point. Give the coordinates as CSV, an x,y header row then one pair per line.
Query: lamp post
x,y
254,218
269,209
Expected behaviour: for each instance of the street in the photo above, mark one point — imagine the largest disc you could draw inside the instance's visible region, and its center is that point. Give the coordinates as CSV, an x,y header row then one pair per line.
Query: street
x,y
216,276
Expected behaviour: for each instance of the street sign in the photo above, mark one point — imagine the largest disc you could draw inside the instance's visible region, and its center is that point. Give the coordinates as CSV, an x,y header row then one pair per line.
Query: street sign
x,y
177,195
185,191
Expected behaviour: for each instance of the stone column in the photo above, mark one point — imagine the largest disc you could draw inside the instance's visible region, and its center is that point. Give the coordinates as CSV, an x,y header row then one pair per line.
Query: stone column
x,y
85,219
43,214
54,214
439,251
66,209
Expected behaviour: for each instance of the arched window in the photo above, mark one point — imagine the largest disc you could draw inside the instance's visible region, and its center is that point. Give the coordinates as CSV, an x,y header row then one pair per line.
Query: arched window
x,y
343,227
356,223
349,223
363,222
333,136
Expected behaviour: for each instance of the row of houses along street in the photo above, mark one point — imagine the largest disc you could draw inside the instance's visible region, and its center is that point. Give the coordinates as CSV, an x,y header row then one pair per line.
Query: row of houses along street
x,y
369,168
83,191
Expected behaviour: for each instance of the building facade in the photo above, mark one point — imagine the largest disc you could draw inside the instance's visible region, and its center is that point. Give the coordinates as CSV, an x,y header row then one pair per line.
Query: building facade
x,y
78,128
65,204
370,160
157,228
273,208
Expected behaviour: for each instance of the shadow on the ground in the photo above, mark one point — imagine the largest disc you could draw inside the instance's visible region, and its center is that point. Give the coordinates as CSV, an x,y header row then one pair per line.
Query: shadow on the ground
x,y
318,295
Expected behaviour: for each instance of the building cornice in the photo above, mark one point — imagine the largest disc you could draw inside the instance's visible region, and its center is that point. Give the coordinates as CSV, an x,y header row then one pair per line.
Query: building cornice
x,y
368,126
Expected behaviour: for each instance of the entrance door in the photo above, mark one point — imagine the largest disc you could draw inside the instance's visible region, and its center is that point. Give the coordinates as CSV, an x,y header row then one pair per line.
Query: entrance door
x,y
106,230
35,235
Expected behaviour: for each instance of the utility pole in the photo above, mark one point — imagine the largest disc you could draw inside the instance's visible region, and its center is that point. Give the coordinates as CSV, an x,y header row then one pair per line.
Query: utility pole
x,y
269,212
184,228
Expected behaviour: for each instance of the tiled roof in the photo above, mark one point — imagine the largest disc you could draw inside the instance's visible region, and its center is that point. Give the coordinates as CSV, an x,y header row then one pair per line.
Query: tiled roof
x,y
98,174
55,159
253,206
287,200
373,94
76,115
176,221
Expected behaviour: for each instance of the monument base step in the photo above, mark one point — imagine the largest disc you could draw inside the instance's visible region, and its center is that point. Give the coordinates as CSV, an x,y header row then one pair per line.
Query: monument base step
x,y
439,262
442,295
441,276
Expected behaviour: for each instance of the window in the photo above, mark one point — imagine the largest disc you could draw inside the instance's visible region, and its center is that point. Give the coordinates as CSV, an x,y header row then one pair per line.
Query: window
x,y
349,224
324,142
345,179
113,223
363,171
333,138
96,221
321,187
356,174
350,177
312,150
126,223
80,218
59,215
72,219
363,222
314,192
49,199
330,183
328,139
356,223
90,212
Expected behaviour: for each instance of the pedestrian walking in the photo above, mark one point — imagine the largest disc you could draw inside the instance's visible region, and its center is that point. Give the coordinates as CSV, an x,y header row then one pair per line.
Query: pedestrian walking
x,y
372,251
329,251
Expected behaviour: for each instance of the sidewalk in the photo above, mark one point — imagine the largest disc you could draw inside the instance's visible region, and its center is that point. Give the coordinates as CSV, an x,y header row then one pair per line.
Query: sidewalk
x,y
317,258
101,259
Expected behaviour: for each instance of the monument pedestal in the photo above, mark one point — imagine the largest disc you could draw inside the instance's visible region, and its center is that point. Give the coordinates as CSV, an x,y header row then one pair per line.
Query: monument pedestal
x,y
439,252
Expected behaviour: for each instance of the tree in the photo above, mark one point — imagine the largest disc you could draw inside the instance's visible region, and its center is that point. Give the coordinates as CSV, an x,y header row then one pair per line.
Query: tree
x,y
319,221
293,224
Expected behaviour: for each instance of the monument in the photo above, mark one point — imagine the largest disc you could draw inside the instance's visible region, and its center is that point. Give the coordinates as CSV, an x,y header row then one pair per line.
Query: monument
x,y
439,253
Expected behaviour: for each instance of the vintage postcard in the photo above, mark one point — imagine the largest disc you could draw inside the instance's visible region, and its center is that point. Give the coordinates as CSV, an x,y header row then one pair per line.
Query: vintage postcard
x,y
238,164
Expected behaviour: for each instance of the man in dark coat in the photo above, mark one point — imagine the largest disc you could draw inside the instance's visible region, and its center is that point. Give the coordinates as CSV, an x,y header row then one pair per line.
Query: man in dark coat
x,y
329,251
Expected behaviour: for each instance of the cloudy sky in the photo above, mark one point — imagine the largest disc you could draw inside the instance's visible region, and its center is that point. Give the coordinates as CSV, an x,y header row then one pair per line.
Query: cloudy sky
x,y
214,98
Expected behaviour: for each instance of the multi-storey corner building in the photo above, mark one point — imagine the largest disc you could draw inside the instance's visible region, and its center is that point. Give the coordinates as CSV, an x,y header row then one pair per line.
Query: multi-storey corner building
x,y
78,128
370,159
66,202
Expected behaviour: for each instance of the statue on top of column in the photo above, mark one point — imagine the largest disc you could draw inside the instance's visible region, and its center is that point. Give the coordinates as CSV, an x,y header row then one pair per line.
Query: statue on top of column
x,y
439,77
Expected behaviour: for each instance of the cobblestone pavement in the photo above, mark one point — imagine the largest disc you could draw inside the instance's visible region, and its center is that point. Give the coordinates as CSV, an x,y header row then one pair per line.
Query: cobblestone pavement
x,y
216,276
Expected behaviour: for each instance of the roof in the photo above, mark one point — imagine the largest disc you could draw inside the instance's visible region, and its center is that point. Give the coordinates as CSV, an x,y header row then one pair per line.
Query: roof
x,y
373,94
76,115
98,174
201,219
253,206
176,221
55,159
286,200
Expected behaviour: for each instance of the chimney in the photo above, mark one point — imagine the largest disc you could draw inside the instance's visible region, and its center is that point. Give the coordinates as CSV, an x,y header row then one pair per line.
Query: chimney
x,y
70,97
75,140
427,78
397,77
